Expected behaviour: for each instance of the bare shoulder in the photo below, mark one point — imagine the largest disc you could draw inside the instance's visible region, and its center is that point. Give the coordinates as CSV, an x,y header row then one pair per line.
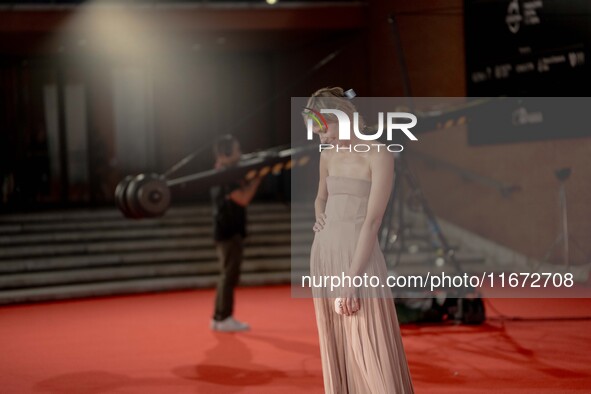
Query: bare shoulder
x,y
325,155
324,161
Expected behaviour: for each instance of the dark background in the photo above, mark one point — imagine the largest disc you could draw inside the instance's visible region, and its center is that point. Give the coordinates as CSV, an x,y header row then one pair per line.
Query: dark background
x,y
185,72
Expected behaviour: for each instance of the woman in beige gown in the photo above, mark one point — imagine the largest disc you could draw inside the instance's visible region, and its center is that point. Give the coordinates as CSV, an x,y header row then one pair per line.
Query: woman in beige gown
x,y
361,347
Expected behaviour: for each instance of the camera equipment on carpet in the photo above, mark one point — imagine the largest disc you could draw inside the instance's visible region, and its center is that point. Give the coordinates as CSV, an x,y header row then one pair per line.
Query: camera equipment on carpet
x,y
148,195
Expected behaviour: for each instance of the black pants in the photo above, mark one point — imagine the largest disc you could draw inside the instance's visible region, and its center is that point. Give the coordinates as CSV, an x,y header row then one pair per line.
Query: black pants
x,y
230,255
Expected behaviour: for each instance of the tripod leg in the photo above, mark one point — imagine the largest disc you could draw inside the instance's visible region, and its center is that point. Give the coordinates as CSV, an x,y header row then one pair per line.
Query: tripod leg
x,y
564,225
401,235
414,185
388,218
563,232
397,215
551,249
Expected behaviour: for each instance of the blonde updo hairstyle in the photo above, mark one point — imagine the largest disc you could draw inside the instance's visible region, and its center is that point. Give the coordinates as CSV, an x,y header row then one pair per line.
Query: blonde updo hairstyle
x,y
333,98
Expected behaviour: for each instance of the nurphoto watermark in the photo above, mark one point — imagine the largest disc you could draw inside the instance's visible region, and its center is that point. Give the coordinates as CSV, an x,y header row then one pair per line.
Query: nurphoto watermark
x,y
344,126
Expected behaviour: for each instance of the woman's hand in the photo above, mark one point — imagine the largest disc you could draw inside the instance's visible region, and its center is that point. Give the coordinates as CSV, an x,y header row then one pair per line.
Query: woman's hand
x,y
320,222
348,304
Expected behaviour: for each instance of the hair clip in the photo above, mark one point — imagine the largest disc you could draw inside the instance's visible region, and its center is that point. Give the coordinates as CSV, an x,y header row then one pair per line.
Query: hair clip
x,y
350,94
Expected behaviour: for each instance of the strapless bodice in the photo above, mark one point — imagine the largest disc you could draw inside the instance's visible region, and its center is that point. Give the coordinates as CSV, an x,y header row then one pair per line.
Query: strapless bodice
x,y
347,198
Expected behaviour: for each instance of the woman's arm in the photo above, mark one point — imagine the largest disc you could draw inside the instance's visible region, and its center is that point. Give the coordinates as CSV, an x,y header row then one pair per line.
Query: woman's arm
x,y
322,195
382,179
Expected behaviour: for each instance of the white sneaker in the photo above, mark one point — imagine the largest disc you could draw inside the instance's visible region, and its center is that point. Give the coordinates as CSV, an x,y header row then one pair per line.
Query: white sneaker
x,y
229,324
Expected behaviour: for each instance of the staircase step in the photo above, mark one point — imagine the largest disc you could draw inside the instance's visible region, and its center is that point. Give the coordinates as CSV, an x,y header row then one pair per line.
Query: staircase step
x,y
103,247
255,232
105,235
123,246
54,293
7,229
90,260
139,271
114,214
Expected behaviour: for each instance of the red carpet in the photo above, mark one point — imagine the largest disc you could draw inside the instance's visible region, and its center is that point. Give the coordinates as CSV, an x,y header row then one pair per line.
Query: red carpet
x,y
161,343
